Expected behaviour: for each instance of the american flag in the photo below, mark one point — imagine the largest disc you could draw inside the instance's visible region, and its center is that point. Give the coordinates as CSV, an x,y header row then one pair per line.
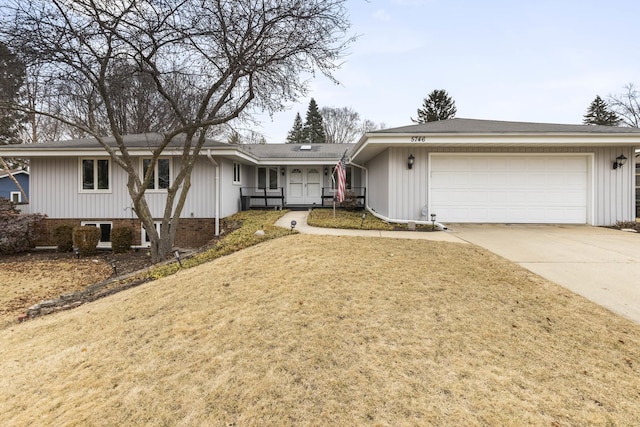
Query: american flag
x,y
341,175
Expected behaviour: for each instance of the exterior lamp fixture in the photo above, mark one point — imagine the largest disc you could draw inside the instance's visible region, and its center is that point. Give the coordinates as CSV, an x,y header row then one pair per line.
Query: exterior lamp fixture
x,y
282,171
620,160
293,224
177,255
364,216
433,222
326,171
410,161
115,268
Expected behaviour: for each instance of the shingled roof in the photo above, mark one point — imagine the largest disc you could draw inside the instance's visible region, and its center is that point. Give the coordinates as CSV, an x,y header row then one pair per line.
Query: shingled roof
x,y
475,126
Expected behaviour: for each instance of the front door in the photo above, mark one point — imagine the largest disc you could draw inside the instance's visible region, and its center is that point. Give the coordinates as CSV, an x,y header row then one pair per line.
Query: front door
x,y
305,185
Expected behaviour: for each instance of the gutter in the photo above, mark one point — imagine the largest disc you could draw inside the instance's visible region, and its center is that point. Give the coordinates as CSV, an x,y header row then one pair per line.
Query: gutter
x,y
384,218
217,189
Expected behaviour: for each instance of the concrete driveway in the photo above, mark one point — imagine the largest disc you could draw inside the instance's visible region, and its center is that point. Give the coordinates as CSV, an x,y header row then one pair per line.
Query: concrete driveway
x,y
600,264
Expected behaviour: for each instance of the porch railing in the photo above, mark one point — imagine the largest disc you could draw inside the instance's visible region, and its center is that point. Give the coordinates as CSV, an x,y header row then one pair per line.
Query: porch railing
x,y
358,194
254,197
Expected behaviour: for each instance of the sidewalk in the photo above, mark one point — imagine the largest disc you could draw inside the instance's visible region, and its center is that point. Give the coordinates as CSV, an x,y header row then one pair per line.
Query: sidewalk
x,y
302,227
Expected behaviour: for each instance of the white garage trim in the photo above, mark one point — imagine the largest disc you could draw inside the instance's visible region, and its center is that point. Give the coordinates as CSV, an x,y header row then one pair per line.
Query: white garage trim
x,y
511,188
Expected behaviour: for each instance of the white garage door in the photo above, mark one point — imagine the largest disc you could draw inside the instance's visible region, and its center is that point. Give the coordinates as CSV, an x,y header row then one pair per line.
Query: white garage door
x,y
509,188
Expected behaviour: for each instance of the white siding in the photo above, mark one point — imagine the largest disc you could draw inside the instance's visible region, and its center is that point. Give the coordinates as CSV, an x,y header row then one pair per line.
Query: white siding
x,y
378,186
230,192
55,192
399,193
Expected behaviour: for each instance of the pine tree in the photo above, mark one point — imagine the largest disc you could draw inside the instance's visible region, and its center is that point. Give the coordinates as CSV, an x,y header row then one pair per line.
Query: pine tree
x,y
313,129
598,113
296,134
12,75
438,105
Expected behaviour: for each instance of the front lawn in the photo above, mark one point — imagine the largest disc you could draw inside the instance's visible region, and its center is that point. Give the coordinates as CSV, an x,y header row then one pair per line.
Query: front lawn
x,y
318,330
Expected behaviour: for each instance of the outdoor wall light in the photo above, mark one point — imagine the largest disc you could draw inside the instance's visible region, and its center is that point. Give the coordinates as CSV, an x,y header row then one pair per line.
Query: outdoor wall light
x,y
620,160
410,161
282,171
326,171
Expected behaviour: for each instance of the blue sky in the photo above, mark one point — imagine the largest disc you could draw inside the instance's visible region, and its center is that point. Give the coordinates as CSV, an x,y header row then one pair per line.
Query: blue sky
x,y
520,60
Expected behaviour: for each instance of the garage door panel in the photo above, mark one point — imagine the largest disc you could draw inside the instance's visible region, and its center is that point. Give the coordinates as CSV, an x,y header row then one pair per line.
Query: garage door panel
x,y
519,188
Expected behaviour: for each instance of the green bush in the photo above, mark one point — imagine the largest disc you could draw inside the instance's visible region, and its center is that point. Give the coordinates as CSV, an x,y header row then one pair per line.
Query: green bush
x,y
63,237
121,239
86,239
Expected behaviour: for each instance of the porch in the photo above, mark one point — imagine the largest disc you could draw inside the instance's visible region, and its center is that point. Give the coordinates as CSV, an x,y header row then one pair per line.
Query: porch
x,y
263,198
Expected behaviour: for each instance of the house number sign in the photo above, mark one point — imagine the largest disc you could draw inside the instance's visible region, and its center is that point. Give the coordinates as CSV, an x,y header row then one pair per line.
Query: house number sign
x,y
418,139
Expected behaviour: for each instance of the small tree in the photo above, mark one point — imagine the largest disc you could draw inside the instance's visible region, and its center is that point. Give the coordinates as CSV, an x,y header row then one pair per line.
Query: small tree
x,y
296,134
313,129
438,105
598,113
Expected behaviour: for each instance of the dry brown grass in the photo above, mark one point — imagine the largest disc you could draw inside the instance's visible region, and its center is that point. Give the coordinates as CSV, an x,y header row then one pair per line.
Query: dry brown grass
x,y
26,282
311,330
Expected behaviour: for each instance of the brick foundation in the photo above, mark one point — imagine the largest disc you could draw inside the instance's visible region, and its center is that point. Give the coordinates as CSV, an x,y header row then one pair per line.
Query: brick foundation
x,y
192,233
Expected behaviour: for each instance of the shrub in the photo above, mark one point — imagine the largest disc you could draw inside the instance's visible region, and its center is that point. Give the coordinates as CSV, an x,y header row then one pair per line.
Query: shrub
x,y
86,239
18,231
350,201
63,237
121,239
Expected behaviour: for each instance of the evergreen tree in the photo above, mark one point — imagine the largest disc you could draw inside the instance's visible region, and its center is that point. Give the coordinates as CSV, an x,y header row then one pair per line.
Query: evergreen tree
x,y
12,76
296,134
438,105
313,129
598,113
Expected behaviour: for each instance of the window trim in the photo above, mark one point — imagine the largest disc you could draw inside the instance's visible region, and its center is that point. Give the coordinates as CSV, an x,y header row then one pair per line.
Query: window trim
x,y
15,193
101,244
95,190
237,173
155,188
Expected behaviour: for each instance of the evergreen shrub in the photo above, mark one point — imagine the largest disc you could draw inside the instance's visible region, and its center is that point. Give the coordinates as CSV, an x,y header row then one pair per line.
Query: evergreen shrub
x,y
86,239
121,239
63,237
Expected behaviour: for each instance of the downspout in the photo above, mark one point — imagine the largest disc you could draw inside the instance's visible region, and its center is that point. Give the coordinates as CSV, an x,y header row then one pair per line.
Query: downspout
x,y
384,218
217,186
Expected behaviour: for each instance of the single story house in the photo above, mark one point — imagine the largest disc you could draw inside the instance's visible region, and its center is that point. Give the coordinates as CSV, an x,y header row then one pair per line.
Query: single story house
x,y
459,170
9,189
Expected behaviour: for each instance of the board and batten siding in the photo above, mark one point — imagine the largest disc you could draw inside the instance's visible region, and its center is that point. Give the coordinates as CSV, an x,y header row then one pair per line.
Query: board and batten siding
x,y
378,183
398,192
55,191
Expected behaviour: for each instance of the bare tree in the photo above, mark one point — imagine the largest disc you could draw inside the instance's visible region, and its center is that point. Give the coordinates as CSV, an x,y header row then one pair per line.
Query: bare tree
x,y
227,55
343,125
627,106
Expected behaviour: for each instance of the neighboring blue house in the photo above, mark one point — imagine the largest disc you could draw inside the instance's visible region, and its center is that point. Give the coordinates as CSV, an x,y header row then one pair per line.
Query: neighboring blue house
x,y
9,189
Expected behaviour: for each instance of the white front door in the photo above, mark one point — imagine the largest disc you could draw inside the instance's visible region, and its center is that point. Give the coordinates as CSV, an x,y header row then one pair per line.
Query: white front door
x,y
305,185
